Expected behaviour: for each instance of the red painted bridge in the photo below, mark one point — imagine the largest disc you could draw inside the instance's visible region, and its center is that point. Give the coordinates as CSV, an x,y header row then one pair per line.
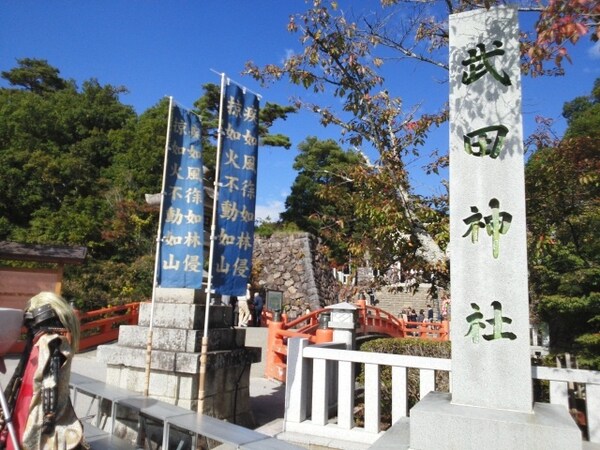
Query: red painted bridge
x,y
372,321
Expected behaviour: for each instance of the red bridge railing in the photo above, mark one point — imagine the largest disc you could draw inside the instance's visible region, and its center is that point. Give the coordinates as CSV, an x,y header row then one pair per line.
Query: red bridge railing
x,y
374,320
102,326
98,327
371,321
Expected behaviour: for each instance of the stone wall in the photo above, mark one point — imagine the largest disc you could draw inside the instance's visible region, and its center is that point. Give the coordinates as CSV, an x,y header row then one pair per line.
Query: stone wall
x,y
295,264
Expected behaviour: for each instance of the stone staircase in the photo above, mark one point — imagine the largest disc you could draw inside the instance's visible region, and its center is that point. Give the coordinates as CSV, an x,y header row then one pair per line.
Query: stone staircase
x,y
394,301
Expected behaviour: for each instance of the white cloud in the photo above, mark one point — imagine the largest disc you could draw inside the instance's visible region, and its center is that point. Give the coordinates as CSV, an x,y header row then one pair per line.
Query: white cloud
x,y
272,210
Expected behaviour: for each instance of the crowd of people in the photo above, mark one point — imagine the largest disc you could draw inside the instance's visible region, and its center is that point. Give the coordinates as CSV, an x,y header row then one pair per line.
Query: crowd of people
x,y
410,315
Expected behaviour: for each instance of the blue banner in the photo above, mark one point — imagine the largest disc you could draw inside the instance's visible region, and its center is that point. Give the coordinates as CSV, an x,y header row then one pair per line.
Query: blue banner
x,y
234,237
181,250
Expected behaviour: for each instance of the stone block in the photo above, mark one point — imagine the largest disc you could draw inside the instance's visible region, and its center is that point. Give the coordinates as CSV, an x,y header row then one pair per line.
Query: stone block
x,y
218,359
221,379
170,339
135,357
185,316
181,340
126,377
436,423
188,387
180,295
168,387
222,339
113,375
231,402
192,405
163,384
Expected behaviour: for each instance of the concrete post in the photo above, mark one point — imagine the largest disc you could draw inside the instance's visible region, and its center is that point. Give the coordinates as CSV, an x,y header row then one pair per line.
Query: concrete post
x,y
343,323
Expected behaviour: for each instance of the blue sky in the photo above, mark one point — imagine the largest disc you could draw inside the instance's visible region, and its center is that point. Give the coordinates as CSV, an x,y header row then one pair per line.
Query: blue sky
x,y
157,49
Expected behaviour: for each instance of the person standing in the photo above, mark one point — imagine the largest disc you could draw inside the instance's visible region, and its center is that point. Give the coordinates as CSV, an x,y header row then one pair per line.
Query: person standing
x,y
243,310
430,313
412,315
371,293
258,307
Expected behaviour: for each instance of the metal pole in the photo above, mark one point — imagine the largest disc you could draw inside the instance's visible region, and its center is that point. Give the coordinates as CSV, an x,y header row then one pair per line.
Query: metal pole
x,y
204,350
157,258
8,420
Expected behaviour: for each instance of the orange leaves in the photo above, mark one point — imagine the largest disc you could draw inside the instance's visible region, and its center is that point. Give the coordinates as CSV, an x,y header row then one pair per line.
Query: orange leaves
x,y
560,22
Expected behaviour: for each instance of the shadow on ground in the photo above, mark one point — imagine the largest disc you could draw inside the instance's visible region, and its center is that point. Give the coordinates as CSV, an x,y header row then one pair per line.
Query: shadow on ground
x,y
267,400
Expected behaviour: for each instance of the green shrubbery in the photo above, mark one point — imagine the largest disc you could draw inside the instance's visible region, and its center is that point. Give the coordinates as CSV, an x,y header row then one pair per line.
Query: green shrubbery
x,y
412,347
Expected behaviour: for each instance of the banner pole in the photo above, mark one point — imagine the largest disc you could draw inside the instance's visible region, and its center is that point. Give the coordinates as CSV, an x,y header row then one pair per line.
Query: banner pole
x,y
157,257
213,226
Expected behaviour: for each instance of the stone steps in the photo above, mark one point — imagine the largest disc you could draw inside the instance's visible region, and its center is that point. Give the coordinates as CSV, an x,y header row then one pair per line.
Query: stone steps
x,y
394,302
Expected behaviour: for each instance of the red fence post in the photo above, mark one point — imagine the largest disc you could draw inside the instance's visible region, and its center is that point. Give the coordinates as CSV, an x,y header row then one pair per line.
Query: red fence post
x,y
324,333
362,315
274,359
445,330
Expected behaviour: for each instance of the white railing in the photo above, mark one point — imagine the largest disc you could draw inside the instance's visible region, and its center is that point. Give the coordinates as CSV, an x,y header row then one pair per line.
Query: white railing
x,y
320,386
344,278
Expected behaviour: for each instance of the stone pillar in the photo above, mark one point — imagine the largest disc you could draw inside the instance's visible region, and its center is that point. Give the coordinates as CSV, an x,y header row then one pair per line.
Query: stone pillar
x,y
343,323
177,335
491,404
490,307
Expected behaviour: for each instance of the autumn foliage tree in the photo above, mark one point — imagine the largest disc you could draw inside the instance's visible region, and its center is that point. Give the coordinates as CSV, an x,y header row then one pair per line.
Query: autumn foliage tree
x,y
344,55
340,57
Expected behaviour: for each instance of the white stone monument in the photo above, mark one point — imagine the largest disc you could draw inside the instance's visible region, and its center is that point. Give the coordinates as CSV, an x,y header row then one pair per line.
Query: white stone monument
x,y
491,404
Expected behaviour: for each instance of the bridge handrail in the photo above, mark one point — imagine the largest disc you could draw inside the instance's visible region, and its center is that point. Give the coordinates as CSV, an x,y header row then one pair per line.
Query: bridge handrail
x,y
293,334
371,320
365,311
312,318
97,331
97,327
427,330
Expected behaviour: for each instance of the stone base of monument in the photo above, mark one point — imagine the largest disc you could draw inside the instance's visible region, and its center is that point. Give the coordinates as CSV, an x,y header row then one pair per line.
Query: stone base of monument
x,y
436,423
175,365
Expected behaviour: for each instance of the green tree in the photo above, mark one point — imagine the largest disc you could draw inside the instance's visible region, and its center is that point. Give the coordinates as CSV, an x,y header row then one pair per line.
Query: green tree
x,y
138,164
563,213
54,150
76,166
35,75
320,193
